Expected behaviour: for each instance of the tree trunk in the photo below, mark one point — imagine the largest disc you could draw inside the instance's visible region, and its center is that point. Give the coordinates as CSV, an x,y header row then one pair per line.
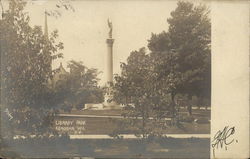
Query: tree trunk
x,y
143,125
173,104
173,120
189,108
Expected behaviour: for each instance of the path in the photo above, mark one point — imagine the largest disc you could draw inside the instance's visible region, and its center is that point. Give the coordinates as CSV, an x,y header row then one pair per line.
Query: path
x,y
131,136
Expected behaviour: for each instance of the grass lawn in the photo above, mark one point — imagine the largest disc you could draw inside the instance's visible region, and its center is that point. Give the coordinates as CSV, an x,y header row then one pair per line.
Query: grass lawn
x,y
118,112
108,148
114,148
108,125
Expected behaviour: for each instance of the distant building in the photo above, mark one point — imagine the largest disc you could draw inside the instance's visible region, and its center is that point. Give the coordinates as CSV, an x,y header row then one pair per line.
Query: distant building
x,y
59,74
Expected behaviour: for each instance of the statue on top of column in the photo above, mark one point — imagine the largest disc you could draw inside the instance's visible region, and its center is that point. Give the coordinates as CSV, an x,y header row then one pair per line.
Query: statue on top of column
x,y
110,28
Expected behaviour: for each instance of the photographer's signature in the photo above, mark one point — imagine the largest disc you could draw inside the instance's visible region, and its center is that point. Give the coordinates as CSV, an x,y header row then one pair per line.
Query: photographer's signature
x,y
223,138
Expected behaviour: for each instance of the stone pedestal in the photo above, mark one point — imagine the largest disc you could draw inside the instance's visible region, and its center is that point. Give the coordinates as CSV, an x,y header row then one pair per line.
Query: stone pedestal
x,y
108,103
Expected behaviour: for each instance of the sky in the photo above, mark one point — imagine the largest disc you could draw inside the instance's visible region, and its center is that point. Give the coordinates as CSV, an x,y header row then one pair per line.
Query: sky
x,y
85,30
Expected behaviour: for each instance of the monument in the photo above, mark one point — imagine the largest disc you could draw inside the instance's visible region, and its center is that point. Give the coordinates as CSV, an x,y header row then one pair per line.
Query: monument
x,y
109,62
108,103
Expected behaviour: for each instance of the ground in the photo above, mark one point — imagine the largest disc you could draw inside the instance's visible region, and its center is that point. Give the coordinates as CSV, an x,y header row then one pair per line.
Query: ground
x,y
107,121
104,122
110,148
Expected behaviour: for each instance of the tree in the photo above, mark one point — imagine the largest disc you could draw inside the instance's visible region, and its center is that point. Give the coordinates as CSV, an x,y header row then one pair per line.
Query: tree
x,y
167,76
159,42
136,88
60,6
78,87
179,63
188,43
26,56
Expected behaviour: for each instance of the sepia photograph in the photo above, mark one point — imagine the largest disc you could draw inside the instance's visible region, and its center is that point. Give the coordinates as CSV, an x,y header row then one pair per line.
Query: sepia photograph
x,y
106,79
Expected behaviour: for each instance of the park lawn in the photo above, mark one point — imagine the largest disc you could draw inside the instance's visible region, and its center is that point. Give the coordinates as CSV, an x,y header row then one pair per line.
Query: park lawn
x,y
110,125
96,125
108,148
118,112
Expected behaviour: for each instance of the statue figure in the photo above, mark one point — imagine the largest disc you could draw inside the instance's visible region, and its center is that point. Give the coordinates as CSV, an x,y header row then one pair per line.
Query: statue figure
x,y
110,28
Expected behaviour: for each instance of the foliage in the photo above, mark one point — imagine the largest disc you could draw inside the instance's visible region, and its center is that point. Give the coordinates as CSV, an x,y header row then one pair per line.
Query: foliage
x,y
140,94
77,87
178,63
190,34
26,56
185,49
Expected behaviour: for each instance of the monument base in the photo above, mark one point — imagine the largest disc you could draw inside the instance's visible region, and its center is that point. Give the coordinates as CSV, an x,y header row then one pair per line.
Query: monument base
x,y
108,103
112,106
102,106
92,106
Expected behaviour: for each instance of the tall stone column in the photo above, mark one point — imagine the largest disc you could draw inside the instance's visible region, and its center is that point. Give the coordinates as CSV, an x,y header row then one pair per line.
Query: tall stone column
x,y
109,62
109,74
108,103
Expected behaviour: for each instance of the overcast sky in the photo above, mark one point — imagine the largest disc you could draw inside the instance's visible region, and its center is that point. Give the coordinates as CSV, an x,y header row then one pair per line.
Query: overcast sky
x,y
84,31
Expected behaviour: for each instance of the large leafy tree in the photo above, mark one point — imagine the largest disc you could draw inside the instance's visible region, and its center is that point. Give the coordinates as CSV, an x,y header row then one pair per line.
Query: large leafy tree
x,y
26,56
179,63
78,87
185,49
140,93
